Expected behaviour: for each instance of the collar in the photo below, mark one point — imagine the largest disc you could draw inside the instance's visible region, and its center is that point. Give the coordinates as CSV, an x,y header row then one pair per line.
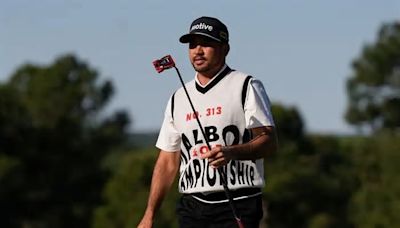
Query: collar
x,y
220,75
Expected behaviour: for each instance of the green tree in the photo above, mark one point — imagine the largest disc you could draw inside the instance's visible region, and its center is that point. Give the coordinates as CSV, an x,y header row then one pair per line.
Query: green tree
x,y
374,87
289,123
308,183
376,161
127,191
53,140
374,101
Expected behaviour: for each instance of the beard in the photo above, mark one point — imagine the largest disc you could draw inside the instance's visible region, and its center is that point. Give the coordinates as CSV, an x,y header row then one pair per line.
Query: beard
x,y
201,69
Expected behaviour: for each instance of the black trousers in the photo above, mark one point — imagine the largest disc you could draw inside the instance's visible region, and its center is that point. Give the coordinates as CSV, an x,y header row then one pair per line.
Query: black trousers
x,y
195,214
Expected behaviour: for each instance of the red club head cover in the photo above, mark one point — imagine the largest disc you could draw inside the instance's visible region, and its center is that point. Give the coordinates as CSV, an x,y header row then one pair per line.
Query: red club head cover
x,y
164,63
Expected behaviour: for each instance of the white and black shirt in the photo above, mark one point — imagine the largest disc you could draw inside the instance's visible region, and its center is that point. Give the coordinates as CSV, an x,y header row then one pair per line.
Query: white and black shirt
x,y
226,106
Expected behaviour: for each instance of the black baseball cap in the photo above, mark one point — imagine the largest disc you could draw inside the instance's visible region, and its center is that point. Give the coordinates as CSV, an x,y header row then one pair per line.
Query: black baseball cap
x,y
207,26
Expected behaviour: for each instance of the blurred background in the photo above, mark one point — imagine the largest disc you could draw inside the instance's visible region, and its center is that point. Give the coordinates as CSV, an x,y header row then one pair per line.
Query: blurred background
x,y
81,106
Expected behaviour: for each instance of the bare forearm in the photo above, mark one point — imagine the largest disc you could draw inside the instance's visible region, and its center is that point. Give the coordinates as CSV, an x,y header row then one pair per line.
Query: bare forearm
x,y
262,145
163,176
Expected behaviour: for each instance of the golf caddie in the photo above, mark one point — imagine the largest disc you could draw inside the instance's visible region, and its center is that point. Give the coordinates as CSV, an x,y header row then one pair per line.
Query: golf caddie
x,y
236,123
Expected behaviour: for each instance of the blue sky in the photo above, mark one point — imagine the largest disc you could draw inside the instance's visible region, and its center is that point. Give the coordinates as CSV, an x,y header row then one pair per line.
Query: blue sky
x,y
301,50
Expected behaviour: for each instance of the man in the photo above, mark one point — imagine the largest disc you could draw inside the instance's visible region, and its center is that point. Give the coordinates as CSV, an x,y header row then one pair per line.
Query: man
x,y
234,111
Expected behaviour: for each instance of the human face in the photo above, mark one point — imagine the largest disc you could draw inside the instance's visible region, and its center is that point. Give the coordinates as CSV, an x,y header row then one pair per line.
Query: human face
x,y
206,55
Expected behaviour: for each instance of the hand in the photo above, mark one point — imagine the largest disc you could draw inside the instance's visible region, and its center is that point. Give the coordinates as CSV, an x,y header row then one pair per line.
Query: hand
x,y
216,157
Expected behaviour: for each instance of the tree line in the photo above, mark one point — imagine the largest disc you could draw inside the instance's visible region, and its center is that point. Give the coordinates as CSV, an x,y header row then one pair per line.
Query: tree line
x,y
64,163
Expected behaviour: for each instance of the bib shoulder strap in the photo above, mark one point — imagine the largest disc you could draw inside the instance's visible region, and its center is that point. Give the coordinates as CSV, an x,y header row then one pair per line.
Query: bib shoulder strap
x,y
172,105
244,89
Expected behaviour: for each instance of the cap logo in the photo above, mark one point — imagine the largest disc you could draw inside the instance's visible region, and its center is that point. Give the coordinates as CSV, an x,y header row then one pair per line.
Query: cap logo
x,y
202,26
223,35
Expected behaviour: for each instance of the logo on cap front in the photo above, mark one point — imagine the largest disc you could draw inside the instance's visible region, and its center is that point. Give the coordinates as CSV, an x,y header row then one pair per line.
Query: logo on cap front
x,y
201,26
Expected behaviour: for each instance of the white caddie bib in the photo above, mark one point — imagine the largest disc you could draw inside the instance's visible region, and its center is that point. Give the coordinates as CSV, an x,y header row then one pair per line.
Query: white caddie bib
x,y
219,106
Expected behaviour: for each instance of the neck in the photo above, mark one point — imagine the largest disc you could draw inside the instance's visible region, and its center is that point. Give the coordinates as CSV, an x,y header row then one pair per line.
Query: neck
x,y
205,77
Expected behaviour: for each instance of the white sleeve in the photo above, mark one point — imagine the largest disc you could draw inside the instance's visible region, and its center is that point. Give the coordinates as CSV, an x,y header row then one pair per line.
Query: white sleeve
x,y
169,138
257,108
